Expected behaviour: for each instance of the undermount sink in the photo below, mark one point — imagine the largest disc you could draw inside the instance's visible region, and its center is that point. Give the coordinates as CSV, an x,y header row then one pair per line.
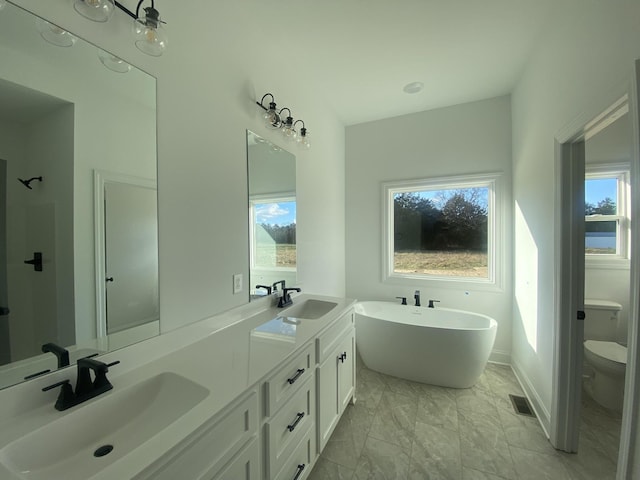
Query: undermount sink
x,y
85,441
310,309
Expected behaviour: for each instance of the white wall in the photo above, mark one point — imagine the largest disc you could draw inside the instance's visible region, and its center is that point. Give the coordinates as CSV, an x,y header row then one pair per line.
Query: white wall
x,y
583,59
206,101
463,139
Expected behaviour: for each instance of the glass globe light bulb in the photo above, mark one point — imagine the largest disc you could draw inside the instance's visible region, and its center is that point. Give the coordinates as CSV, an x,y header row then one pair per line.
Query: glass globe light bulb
x,y
150,36
54,34
96,10
271,117
303,139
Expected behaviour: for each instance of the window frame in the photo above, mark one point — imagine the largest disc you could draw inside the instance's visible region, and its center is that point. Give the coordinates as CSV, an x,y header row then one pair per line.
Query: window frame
x,y
495,231
261,199
621,172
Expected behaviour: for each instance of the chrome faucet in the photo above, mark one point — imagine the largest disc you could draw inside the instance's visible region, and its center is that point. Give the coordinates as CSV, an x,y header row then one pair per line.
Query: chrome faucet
x,y
416,296
86,389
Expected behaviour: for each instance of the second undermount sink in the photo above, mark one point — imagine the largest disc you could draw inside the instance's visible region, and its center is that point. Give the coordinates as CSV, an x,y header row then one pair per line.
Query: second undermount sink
x,y
87,440
310,309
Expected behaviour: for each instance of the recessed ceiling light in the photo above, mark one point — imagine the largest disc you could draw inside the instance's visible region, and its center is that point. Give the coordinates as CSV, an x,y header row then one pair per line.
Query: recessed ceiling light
x,y
413,87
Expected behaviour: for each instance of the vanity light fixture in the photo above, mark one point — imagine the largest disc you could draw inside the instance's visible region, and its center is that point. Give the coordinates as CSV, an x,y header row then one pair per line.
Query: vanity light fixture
x,y
270,116
273,119
54,34
302,138
150,36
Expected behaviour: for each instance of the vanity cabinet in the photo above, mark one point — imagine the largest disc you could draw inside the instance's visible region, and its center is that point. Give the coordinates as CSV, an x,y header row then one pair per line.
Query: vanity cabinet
x,y
228,444
335,375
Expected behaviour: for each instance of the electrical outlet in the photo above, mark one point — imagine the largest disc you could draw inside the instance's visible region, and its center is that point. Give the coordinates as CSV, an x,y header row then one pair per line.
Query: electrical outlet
x,y
237,283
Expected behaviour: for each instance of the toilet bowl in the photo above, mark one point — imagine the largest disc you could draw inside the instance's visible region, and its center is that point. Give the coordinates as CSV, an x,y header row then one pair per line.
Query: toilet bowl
x,y
609,362
604,352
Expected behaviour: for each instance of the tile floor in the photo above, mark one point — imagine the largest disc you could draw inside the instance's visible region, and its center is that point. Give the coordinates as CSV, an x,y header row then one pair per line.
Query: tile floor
x,y
404,430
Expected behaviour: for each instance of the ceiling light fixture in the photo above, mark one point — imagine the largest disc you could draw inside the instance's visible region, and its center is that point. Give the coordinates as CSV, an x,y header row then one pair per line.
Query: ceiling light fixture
x,y
272,119
413,87
150,36
54,34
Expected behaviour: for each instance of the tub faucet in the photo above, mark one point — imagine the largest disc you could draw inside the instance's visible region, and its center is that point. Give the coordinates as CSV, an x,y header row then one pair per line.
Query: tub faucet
x,y
431,303
416,295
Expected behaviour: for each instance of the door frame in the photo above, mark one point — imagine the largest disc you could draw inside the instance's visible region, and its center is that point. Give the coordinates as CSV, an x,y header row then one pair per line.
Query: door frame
x,y
566,370
100,178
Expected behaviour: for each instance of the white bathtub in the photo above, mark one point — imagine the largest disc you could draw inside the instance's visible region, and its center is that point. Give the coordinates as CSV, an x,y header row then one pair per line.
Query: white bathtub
x,y
438,346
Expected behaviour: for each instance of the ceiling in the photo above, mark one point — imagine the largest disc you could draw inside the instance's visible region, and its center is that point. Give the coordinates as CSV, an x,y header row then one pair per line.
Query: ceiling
x,y
359,54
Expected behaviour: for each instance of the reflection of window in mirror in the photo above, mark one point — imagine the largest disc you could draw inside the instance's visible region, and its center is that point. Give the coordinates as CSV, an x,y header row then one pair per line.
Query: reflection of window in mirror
x,y
273,232
607,212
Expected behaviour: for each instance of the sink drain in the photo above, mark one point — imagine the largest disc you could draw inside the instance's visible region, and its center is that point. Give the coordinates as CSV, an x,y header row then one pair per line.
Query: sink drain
x,y
103,450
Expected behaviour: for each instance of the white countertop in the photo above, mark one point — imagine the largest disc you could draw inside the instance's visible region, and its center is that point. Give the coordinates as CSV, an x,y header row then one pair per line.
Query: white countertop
x,y
227,361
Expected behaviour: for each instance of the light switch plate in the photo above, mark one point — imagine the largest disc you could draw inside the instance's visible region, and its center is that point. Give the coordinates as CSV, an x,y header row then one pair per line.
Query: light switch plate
x,y
237,283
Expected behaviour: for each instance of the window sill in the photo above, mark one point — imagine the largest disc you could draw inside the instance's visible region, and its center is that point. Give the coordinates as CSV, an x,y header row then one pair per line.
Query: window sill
x,y
458,283
591,263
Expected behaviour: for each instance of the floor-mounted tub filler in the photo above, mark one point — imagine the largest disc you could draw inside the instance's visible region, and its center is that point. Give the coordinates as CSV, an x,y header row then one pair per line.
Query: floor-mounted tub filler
x,y
438,346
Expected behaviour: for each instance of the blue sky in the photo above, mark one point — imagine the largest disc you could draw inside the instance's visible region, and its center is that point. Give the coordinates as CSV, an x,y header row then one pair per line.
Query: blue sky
x,y
598,189
280,213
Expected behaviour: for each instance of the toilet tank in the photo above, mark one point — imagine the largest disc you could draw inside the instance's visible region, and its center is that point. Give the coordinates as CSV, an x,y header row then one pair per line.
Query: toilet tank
x,y
601,322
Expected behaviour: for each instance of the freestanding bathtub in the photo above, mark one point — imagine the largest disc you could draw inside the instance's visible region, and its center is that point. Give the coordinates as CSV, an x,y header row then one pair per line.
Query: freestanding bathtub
x,y
438,346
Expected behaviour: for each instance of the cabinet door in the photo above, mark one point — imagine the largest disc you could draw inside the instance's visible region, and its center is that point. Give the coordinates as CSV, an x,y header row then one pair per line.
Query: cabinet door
x,y
245,466
346,371
327,377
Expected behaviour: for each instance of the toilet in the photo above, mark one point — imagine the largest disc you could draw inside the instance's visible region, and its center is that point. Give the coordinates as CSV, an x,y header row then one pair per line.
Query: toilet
x,y
604,352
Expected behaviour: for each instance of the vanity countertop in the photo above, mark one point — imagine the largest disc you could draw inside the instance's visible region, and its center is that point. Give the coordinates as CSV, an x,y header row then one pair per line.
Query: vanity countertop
x,y
227,361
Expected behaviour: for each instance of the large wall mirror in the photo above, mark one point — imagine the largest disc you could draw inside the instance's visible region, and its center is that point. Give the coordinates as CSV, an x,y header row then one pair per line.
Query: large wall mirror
x,y
78,218
272,214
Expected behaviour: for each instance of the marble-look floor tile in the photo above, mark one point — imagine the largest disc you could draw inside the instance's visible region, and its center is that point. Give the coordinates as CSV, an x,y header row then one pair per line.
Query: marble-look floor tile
x,y
471,474
476,399
483,445
538,466
437,406
590,463
369,388
326,470
435,454
395,419
524,432
381,460
501,379
404,387
347,441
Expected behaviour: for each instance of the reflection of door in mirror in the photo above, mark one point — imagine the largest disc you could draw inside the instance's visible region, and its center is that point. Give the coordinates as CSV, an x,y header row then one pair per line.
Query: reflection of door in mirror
x,y
128,262
272,214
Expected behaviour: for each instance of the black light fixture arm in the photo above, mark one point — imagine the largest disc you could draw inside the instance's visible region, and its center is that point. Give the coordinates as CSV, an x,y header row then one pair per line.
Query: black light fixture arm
x,y
260,103
151,12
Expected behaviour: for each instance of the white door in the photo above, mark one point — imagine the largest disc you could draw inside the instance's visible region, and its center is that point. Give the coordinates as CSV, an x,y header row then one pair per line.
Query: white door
x,y
131,255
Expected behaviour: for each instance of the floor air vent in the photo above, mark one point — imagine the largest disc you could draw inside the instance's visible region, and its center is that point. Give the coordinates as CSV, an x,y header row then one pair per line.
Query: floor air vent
x,y
521,405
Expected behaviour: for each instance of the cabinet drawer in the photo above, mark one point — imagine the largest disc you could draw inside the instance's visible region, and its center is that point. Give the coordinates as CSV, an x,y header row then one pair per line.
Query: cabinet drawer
x,y
244,466
298,465
212,446
327,341
285,431
280,387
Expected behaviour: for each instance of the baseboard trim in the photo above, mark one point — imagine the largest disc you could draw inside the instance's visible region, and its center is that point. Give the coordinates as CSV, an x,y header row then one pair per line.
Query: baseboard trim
x,y
536,402
500,356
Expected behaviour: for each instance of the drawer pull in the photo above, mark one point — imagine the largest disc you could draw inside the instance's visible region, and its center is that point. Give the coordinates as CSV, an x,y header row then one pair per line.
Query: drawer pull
x,y
293,426
299,471
293,379
343,357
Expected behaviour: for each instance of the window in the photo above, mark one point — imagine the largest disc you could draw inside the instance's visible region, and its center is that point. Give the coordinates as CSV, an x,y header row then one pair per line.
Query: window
x,y
441,229
273,232
606,212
